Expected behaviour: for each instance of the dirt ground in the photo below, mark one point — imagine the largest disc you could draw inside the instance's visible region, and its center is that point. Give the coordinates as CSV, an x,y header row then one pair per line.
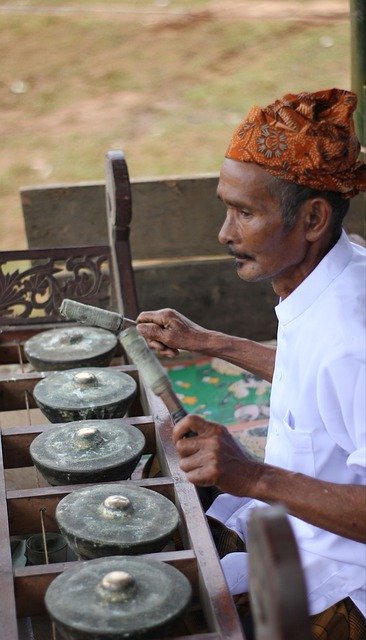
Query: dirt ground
x,y
216,9
42,137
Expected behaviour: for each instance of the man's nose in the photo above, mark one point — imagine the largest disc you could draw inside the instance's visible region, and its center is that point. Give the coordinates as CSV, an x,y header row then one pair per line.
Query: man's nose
x,y
226,233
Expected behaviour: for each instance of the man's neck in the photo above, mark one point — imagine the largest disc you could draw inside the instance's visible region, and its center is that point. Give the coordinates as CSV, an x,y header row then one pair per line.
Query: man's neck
x,y
285,284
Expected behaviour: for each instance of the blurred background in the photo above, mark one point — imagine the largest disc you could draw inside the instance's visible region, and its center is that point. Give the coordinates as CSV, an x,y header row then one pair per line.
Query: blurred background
x,y
166,81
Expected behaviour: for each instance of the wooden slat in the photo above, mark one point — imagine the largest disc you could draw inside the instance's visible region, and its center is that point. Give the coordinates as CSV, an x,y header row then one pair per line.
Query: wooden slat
x,y
13,391
59,253
22,418
211,294
165,211
180,216
217,603
7,599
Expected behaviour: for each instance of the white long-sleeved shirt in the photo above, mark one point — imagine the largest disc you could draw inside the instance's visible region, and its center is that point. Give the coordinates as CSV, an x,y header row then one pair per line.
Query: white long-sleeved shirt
x,y
317,420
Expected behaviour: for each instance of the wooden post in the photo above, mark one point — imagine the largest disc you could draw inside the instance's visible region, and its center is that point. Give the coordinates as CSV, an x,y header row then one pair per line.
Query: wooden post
x,y
358,63
358,85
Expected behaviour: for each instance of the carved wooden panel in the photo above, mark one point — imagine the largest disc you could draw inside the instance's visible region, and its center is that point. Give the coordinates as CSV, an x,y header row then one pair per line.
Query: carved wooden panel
x,y
34,283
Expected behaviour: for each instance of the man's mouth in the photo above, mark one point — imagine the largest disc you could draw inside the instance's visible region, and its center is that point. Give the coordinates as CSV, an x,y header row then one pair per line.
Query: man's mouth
x,y
240,256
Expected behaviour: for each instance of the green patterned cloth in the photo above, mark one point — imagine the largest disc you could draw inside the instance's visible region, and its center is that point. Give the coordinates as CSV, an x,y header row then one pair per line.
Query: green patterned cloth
x,y
224,393
220,392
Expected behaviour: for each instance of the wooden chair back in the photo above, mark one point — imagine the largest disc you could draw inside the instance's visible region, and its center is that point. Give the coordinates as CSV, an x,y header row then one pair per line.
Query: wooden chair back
x,y
33,282
277,588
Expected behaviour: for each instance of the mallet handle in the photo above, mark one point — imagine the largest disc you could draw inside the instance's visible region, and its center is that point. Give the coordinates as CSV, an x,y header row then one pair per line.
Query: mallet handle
x,y
152,371
94,316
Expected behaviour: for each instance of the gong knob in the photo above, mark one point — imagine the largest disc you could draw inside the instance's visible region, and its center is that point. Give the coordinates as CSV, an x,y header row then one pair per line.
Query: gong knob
x,y
116,586
115,506
71,338
87,437
85,379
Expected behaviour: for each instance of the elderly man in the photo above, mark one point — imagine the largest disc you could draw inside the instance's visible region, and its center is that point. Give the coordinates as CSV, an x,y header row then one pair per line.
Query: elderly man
x,y
289,172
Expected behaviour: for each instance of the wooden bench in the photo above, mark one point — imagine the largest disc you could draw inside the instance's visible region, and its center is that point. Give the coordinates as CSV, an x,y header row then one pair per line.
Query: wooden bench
x,y
177,259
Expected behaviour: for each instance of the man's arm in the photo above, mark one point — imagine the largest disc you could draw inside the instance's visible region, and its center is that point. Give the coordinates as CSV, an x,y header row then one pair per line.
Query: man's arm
x,y
336,507
166,331
214,457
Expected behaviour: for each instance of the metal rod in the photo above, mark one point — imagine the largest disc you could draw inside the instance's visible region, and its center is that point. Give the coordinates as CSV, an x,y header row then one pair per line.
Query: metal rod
x,y
27,407
20,357
42,511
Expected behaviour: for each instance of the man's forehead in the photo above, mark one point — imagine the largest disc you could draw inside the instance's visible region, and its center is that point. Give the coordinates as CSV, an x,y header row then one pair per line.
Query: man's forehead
x,y
241,179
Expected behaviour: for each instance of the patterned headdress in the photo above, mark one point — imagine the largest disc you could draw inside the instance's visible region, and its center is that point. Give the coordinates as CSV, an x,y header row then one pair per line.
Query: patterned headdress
x,y
308,138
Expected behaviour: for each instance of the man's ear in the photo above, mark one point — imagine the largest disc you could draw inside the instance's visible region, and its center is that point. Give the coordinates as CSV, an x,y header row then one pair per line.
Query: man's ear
x,y
317,217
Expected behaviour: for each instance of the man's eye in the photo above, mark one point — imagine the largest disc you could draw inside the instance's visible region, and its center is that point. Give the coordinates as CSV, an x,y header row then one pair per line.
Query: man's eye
x,y
244,212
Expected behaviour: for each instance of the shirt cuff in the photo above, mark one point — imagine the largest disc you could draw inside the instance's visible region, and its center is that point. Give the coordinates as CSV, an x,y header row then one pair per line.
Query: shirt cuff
x,y
236,570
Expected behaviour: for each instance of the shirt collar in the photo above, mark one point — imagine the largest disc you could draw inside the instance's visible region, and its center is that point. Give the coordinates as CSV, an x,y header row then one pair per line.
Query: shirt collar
x,y
317,281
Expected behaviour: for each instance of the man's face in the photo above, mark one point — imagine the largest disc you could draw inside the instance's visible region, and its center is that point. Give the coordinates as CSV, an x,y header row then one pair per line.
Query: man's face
x,y
254,231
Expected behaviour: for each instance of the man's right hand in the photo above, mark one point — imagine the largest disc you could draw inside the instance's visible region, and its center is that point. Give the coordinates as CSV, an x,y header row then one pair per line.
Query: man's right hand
x,y
167,331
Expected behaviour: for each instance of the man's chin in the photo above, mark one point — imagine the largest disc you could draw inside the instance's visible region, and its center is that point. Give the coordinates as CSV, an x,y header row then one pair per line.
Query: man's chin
x,y
247,271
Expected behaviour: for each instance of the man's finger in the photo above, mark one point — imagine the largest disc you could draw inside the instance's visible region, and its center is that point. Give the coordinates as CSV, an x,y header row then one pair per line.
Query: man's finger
x,y
187,424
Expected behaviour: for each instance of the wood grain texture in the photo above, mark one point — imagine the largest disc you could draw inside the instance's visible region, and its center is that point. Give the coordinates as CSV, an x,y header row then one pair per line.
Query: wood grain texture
x,y
172,217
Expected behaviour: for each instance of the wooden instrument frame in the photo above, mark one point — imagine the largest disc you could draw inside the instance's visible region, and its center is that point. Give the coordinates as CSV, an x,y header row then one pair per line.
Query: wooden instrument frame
x,y
23,589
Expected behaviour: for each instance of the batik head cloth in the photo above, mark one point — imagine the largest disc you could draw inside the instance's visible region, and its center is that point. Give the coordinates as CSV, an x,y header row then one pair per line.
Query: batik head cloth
x,y
308,138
